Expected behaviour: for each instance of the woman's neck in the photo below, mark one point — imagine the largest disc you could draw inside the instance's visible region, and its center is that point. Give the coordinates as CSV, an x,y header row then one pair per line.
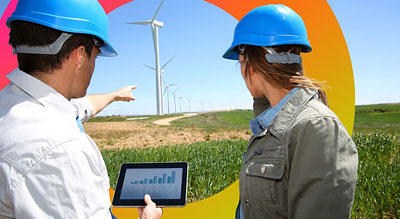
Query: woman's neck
x,y
274,94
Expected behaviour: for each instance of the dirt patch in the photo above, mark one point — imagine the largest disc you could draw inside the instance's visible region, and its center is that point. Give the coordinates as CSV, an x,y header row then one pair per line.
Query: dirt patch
x,y
112,135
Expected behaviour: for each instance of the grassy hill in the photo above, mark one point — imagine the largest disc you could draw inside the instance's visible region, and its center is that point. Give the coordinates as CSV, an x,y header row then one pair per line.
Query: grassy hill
x,y
378,108
383,117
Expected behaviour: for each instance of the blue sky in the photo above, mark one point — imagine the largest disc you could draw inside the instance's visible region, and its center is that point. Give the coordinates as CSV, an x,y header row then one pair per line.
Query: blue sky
x,y
372,30
198,33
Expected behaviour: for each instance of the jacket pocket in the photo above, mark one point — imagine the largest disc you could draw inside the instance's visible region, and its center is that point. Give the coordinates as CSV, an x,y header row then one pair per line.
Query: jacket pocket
x,y
264,175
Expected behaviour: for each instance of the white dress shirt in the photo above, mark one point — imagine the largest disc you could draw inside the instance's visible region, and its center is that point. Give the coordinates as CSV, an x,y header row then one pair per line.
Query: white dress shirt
x,y
48,168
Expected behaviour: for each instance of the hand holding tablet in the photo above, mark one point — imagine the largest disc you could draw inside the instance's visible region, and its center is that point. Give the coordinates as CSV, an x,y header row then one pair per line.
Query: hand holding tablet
x,y
150,211
166,183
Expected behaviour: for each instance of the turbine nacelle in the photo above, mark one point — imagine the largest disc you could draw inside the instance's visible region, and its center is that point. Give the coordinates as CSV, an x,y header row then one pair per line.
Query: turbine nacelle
x,y
158,23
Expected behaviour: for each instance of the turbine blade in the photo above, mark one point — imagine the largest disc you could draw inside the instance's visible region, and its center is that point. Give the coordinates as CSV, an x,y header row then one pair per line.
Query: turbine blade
x,y
155,15
149,66
165,90
139,23
167,62
171,85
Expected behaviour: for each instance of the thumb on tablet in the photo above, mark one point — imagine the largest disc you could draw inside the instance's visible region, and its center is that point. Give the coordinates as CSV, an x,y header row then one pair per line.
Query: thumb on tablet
x,y
147,200
150,211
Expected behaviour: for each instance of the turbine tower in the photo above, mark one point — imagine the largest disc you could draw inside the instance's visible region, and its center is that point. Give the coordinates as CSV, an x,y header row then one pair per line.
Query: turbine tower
x,y
188,103
180,105
167,91
174,93
154,30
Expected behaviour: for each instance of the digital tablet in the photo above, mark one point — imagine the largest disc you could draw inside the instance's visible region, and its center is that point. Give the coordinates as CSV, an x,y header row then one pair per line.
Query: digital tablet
x,y
166,183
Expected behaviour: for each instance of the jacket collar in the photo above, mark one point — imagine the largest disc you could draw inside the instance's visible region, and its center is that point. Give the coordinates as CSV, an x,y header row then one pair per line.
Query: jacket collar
x,y
262,121
290,110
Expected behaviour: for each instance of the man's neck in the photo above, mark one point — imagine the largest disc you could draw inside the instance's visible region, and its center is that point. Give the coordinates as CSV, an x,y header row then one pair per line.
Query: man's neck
x,y
58,80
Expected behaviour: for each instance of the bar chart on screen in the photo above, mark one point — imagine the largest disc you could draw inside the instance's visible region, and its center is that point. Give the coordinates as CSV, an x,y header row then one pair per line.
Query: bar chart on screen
x,y
163,183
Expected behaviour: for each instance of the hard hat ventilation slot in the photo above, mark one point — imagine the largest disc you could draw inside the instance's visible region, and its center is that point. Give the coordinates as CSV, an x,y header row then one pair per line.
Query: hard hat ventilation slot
x,y
50,49
282,58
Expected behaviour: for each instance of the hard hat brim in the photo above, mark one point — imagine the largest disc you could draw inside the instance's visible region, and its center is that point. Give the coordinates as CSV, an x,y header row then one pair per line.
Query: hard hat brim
x,y
107,50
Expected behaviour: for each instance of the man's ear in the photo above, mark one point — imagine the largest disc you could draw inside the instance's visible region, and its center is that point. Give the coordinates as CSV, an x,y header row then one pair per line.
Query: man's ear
x,y
78,55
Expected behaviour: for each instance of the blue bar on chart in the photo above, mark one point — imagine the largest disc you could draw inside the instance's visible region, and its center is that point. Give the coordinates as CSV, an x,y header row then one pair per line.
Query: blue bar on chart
x,y
150,181
164,178
169,180
173,177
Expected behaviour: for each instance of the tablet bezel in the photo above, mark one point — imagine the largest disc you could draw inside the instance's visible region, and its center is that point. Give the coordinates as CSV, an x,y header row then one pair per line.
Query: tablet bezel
x,y
118,202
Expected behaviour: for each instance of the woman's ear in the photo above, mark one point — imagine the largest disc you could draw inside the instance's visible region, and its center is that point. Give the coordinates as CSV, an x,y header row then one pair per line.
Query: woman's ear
x,y
252,73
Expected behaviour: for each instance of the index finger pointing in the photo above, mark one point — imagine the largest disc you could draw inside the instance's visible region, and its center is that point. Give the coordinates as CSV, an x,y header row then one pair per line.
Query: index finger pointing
x,y
133,87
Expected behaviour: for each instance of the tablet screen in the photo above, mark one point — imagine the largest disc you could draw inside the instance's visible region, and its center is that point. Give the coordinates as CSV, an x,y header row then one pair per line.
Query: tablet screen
x,y
166,183
159,183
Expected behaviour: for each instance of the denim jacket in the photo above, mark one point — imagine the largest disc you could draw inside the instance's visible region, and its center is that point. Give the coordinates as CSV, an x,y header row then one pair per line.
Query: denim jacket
x,y
303,165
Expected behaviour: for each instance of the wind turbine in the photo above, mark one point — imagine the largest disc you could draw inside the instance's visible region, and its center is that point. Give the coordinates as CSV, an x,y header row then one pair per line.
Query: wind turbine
x,y
180,104
162,67
174,93
154,30
167,91
161,77
188,103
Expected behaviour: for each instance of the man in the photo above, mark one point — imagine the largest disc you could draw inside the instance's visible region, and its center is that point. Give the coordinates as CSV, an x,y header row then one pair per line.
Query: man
x,y
48,167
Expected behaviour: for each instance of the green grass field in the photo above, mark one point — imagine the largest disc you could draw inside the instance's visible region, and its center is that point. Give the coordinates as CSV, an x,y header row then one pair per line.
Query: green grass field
x,y
378,184
215,165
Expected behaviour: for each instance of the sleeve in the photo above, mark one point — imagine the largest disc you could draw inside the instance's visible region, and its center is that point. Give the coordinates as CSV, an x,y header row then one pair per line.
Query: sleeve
x,y
260,105
323,171
69,182
84,108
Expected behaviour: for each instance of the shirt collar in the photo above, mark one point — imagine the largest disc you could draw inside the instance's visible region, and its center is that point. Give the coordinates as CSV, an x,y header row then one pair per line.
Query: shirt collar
x,y
261,122
41,92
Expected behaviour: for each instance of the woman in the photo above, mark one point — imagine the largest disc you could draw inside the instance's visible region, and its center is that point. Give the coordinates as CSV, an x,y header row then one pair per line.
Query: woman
x,y
300,162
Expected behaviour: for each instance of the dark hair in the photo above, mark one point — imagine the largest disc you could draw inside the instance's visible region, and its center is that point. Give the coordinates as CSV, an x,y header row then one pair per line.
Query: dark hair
x,y
287,76
31,34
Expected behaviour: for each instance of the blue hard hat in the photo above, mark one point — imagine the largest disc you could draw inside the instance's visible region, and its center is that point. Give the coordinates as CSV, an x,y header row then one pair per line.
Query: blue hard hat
x,y
72,16
269,25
